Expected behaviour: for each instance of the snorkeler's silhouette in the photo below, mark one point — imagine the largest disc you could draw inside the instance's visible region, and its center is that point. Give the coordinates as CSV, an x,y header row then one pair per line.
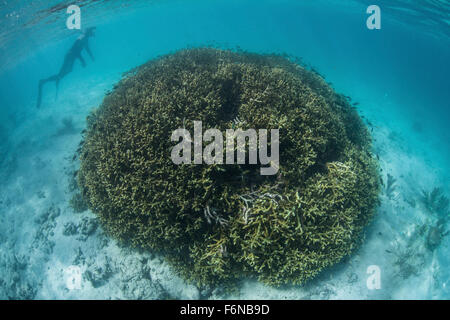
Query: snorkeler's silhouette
x,y
73,54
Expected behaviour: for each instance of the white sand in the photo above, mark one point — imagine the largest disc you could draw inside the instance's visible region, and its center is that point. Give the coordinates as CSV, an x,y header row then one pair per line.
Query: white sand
x,y
34,204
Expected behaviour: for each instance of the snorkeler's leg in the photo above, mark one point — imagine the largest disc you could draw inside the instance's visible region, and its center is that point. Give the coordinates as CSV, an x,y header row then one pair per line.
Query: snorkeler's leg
x,y
65,70
67,66
41,85
39,98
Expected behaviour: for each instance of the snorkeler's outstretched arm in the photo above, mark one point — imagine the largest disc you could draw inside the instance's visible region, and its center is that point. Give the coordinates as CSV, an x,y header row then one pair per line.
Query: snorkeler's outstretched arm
x,y
83,63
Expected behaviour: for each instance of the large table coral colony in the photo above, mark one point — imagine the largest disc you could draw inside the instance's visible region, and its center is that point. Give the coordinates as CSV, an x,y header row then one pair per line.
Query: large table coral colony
x,y
217,223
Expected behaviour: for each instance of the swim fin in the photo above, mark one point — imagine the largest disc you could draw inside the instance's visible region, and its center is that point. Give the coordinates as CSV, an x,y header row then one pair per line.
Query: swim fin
x,y
39,99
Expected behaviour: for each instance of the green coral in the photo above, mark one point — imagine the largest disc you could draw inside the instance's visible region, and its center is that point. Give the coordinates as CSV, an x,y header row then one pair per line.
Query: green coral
x,y
218,223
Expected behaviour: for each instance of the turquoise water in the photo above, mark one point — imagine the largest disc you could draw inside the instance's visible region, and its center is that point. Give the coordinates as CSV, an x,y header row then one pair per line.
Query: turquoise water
x,y
398,75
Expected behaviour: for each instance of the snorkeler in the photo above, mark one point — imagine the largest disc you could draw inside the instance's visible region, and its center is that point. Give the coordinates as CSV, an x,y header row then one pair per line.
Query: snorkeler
x,y
73,54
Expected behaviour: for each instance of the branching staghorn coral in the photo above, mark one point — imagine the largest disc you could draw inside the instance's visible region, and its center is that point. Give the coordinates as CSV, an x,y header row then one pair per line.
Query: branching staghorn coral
x,y
213,217
218,223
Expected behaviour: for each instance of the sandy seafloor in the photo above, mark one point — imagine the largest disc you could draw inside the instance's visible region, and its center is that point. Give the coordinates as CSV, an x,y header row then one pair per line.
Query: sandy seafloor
x,y
41,235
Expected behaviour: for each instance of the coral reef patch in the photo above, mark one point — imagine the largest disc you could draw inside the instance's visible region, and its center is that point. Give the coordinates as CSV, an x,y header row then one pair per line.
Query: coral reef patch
x,y
218,223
